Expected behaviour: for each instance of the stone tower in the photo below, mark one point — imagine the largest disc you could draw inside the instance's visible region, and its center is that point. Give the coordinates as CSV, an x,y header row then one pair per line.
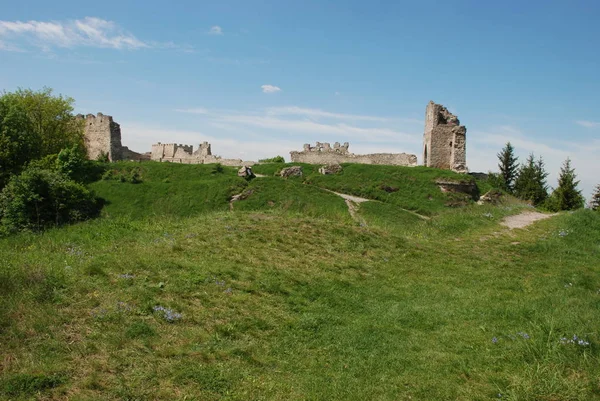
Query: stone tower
x,y
444,141
102,135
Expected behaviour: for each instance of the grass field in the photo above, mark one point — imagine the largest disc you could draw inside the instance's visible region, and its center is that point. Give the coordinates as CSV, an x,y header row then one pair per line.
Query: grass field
x,y
174,296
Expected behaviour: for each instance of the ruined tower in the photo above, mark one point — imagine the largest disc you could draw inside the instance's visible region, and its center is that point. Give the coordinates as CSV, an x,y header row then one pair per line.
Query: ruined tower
x,y
444,141
102,135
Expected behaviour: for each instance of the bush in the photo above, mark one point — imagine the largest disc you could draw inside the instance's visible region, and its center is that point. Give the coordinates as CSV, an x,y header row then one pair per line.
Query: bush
x,y
276,159
70,162
38,198
217,169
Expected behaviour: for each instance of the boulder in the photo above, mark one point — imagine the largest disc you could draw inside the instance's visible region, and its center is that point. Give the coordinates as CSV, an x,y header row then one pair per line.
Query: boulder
x,y
292,171
246,172
491,197
330,169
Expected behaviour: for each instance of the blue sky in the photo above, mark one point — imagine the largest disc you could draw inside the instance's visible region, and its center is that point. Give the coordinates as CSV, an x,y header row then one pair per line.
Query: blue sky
x,y
260,78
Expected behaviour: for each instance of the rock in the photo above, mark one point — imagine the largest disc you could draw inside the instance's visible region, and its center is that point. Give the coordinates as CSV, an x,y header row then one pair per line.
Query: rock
x,y
246,172
492,197
330,169
292,171
464,187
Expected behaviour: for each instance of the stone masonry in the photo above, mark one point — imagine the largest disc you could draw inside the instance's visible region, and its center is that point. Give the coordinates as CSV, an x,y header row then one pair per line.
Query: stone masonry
x,y
103,136
178,153
444,141
324,153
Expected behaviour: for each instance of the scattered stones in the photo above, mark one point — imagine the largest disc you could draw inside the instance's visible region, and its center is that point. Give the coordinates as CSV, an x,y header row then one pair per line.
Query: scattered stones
x,y
333,168
292,171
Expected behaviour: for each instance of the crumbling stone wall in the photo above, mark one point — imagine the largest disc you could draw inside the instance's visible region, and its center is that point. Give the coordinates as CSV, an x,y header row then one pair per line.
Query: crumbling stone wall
x,y
324,153
102,135
444,140
178,153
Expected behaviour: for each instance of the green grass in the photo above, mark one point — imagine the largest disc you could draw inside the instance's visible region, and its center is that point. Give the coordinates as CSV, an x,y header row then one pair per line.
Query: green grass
x,y
286,297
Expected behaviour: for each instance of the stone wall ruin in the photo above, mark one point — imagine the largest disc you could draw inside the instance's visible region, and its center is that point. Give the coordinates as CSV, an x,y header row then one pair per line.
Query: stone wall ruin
x,y
444,140
102,135
178,153
324,153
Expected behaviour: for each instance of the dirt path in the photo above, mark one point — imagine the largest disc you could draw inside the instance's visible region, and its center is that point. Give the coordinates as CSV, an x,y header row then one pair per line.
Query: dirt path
x,y
524,219
353,203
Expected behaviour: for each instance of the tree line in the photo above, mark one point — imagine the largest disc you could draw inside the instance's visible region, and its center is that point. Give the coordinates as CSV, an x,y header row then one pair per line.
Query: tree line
x,y
527,181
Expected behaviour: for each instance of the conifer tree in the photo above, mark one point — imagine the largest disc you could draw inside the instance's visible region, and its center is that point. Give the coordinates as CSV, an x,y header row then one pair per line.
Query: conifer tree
x,y
530,183
508,167
595,201
566,196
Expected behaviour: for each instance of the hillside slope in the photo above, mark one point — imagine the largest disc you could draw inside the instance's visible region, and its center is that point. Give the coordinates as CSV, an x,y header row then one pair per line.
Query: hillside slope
x,y
286,297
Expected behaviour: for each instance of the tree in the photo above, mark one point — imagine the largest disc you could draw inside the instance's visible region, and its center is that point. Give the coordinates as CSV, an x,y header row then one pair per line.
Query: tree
x,y
530,183
51,118
566,196
508,166
18,143
595,201
34,125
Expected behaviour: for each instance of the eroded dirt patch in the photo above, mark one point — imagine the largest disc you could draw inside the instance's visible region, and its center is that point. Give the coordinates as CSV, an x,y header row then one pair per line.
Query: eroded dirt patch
x,y
524,219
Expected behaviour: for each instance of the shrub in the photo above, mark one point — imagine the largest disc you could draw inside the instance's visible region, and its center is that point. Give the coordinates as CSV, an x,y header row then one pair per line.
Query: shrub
x,y
276,159
217,169
70,162
103,157
38,198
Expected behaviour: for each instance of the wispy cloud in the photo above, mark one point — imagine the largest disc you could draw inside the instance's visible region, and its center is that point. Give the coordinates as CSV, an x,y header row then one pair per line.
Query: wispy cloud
x,y
270,89
588,124
284,120
316,113
86,32
197,110
215,30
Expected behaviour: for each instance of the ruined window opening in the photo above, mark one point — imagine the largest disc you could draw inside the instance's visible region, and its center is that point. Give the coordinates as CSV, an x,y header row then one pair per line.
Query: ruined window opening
x,y
425,156
450,143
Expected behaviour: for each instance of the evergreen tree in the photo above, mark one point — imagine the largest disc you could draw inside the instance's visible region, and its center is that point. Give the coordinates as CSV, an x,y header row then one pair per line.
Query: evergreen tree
x,y
508,167
595,201
566,196
530,183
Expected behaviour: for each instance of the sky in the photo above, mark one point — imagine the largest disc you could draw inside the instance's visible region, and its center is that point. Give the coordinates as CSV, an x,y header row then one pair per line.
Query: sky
x,y
261,78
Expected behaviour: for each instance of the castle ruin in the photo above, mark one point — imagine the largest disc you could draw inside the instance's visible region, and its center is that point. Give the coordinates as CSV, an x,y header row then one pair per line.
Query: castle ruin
x,y
444,141
178,153
102,136
444,146
324,153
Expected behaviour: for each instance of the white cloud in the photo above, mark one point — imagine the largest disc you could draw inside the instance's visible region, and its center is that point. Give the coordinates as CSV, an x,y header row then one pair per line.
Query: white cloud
x,y
87,32
588,124
270,89
216,30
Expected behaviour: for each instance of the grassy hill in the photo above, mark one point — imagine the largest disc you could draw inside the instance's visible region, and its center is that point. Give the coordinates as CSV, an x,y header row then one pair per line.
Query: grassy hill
x,y
172,295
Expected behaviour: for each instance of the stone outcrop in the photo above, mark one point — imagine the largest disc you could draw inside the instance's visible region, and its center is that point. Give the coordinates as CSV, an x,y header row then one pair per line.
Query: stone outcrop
x,y
102,136
444,141
463,187
330,169
246,172
492,197
324,153
292,171
178,153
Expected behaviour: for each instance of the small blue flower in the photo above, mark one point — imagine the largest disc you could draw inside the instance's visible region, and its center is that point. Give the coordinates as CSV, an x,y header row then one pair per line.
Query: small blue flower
x,y
494,340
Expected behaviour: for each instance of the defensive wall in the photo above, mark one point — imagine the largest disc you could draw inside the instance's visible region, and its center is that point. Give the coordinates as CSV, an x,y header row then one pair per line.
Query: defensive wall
x,y
324,153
